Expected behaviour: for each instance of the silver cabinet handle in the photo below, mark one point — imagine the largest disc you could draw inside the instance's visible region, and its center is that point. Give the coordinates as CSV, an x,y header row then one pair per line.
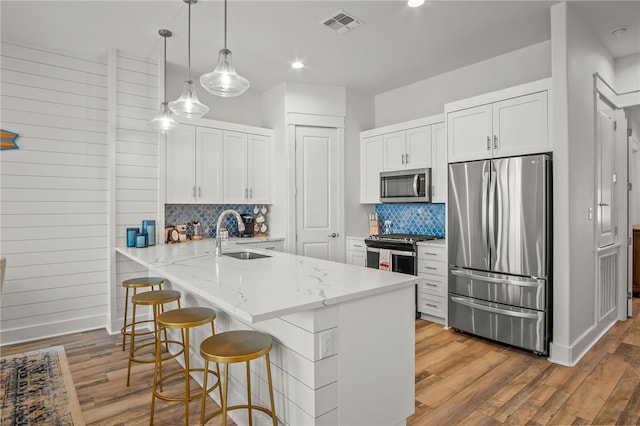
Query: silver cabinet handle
x,y
402,158
406,158
495,142
430,267
431,306
199,192
488,143
251,193
333,235
603,204
431,284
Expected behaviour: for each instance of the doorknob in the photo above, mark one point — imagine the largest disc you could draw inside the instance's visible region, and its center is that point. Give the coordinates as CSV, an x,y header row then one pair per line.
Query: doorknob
x,y
333,235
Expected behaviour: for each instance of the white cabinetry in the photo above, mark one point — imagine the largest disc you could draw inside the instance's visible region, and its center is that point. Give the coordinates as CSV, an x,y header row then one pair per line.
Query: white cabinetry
x,y
407,149
501,124
356,251
265,245
193,169
439,173
410,145
247,171
371,164
432,291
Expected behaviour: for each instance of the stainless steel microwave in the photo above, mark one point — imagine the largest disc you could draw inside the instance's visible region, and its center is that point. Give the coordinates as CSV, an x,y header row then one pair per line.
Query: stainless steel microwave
x,y
406,186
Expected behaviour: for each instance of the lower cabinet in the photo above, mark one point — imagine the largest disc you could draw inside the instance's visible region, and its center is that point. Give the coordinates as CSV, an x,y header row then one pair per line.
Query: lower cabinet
x,y
356,251
265,245
432,290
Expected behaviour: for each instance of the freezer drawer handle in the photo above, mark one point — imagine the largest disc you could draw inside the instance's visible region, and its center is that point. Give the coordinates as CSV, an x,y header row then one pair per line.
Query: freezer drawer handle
x,y
469,303
471,275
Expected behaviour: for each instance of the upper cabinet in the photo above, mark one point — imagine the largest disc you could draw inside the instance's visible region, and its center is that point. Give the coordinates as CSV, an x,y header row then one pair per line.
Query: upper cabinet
x,y
500,124
411,145
247,171
407,149
194,166
207,165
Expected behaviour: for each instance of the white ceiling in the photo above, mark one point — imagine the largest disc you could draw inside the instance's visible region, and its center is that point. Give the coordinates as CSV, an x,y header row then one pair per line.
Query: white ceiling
x,y
395,46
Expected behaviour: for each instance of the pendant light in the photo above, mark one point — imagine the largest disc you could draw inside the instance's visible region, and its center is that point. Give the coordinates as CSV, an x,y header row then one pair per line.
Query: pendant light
x,y
164,122
224,80
188,105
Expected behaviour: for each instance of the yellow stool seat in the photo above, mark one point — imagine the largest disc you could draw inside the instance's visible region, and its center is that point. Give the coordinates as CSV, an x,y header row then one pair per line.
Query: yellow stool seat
x,y
232,347
135,284
183,319
156,299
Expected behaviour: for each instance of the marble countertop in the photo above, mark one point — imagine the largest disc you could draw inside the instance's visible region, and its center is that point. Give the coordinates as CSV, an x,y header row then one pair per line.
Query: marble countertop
x,y
260,289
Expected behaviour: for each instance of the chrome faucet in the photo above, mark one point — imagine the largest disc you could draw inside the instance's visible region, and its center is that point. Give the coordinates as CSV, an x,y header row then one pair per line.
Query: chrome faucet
x,y
219,224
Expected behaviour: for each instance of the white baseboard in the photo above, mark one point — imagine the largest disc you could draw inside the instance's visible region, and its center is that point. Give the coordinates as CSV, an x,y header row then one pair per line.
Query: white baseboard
x,y
41,331
571,355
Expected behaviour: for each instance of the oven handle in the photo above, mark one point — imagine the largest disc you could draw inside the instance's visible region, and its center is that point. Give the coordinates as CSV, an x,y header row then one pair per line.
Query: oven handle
x,y
396,252
471,304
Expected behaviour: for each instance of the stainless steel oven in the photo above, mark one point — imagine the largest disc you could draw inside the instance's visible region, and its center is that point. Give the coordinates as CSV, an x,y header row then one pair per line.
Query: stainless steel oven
x,y
402,249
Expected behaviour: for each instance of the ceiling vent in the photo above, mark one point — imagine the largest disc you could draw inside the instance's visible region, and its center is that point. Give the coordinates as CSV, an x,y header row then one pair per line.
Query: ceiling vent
x,y
341,22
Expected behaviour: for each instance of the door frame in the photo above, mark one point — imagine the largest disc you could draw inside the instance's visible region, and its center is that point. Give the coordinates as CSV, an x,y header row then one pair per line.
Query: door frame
x,y
313,120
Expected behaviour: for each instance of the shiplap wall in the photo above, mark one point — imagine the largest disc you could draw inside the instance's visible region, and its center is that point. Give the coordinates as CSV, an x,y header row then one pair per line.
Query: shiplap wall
x,y
54,193
87,169
134,101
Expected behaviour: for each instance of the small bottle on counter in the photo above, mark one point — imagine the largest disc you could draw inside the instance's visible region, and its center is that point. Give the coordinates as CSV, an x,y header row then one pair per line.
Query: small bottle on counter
x,y
149,227
141,240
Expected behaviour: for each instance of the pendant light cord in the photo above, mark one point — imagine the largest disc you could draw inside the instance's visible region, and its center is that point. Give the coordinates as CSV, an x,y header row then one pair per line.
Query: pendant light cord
x,y
189,47
225,24
164,77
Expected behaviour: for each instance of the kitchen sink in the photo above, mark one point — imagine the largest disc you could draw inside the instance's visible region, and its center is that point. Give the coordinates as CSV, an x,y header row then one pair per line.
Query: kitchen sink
x,y
245,255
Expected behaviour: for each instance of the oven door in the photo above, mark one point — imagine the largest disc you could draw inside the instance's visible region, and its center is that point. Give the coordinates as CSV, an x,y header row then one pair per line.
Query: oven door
x,y
403,262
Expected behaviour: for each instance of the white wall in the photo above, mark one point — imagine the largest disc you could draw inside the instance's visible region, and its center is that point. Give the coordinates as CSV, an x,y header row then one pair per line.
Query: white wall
x,y
427,97
135,87
627,73
244,109
54,193
360,116
577,54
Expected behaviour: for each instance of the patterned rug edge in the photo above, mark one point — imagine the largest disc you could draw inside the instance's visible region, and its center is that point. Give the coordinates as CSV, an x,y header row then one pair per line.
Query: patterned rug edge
x,y
72,396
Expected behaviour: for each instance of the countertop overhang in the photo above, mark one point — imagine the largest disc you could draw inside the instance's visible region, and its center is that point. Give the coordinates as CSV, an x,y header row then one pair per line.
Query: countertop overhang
x,y
261,289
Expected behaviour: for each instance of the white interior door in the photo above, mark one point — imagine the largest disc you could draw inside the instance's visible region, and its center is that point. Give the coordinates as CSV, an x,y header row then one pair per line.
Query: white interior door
x,y
605,174
317,177
634,208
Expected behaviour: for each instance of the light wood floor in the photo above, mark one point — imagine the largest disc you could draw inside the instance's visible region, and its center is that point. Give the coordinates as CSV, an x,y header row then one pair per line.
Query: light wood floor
x,y
460,379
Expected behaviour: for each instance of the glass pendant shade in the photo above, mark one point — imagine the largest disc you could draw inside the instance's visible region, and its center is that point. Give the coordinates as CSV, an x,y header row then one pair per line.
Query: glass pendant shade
x,y
224,80
188,105
164,122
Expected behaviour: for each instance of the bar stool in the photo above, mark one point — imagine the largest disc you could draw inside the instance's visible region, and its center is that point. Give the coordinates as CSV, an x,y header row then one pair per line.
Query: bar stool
x,y
135,284
156,299
231,347
183,319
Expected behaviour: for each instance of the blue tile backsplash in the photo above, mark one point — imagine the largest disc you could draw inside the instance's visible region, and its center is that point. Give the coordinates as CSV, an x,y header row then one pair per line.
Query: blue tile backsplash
x,y
207,215
413,218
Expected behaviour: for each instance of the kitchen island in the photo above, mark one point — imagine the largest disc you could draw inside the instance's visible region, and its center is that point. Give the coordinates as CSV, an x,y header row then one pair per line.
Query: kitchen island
x,y
343,334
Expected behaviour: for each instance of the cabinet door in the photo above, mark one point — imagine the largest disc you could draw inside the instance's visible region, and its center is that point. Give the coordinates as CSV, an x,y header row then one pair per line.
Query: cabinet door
x,y
180,166
520,125
394,150
208,159
235,168
259,169
371,164
438,164
469,134
418,148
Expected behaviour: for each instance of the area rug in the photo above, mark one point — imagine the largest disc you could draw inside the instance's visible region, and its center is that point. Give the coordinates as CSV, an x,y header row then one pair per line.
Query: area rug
x,y
36,388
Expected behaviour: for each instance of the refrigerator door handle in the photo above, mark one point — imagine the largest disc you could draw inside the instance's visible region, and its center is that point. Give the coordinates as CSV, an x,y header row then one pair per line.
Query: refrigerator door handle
x,y
492,218
521,283
485,184
470,303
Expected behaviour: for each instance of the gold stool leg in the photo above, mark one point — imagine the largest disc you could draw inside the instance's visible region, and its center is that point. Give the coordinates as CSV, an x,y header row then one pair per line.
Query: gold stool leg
x,y
157,369
131,342
124,322
273,405
187,392
224,398
204,391
249,395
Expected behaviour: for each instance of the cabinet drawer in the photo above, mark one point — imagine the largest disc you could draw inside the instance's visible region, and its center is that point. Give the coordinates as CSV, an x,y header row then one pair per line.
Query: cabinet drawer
x,y
271,245
432,305
432,267
433,284
356,244
432,253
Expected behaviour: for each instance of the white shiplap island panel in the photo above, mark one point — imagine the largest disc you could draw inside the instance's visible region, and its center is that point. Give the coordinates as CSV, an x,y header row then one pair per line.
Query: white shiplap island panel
x,y
364,375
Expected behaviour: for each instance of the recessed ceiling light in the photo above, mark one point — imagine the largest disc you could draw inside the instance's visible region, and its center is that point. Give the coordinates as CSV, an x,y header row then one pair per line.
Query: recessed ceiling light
x,y
297,65
619,31
415,3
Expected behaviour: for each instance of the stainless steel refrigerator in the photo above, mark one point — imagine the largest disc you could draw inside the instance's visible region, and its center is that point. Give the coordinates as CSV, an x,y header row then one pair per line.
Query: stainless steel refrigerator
x,y
499,236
